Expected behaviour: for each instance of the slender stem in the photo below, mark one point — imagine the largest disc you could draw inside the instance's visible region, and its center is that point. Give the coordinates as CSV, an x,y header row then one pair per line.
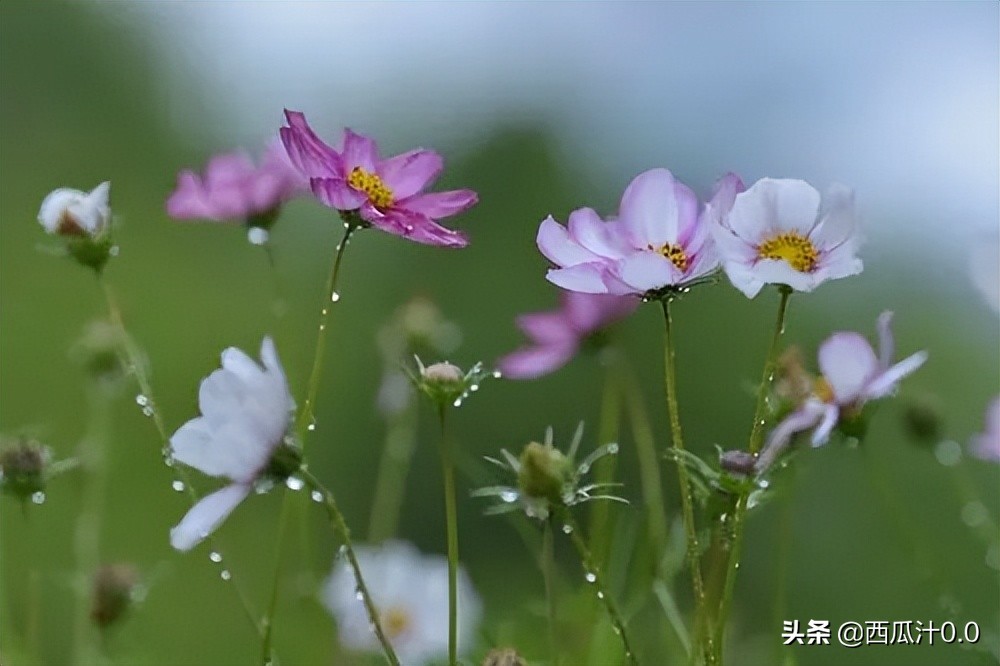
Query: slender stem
x,y
687,502
268,621
136,364
596,578
86,540
340,527
451,516
756,439
390,484
548,573
662,591
330,296
604,470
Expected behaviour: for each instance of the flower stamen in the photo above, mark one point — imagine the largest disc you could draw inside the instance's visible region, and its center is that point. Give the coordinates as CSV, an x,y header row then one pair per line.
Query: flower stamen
x,y
396,621
675,253
371,184
823,391
797,251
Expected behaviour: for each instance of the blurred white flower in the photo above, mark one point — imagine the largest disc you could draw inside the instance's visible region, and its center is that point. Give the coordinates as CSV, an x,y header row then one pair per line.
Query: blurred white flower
x,y
986,445
410,591
984,269
69,212
246,412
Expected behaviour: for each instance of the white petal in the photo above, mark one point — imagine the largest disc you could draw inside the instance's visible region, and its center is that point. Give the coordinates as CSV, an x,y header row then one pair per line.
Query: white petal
x,y
54,206
645,271
848,363
649,209
831,414
798,421
885,383
205,516
558,247
743,278
772,206
777,271
605,239
837,220
585,278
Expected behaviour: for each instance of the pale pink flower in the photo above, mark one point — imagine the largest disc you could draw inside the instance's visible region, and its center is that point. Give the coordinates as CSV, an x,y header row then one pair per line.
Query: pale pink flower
x,y
986,445
777,232
660,240
386,193
557,335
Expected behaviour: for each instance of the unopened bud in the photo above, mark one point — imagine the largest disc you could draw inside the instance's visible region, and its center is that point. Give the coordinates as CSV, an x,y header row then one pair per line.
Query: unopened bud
x,y
443,373
114,585
22,468
504,657
738,462
543,473
83,219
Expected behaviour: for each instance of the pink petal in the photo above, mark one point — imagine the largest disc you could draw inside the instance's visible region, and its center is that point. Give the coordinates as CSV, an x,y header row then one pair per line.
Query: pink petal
x,y
885,383
436,205
645,271
411,172
206,516
558,247
533,362
605,239
687,213
831,415
847,362
798,421
228,169
546,327
586,278
592,312
336,193
359,151
188,200
309,154
415,227
649,209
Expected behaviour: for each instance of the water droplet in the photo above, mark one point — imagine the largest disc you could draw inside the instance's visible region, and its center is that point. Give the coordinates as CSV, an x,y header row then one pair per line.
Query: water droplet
x,y
612,448
342,551
114,250
258,236
458,402
409,228
948,453
975,513
322,327
334,297
311,426
38,498
147,411
618,632
225,574
359,595
178,485
325,312
590,577
168,459
474,387
600,595
295,483
215,557
497,374
316,496
567,529
141,400
508,496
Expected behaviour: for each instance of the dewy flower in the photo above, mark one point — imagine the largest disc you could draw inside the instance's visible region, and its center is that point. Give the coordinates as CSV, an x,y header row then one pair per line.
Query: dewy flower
x,y
777,232
410,591
385,193
661,239
241,435
233,188
557,335
852,375
986,445
68,212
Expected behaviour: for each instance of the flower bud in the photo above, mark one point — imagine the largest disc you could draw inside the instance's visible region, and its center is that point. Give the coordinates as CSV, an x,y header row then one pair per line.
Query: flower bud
x,y
738,462
504,657
22,468
114,585
442,373
83,219
544,471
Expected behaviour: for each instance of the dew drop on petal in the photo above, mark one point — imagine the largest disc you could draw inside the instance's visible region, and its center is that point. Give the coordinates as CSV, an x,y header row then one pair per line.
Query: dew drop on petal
x,y
508,496
295,483
316,496
38,498
334,297
178,485
141,400
215,556
590,577
225,575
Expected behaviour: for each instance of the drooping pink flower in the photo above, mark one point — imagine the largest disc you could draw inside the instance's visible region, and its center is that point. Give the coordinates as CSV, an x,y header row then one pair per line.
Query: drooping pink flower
x,y
661,239
986,445
557,335
852,375
234,189
386,193
777,232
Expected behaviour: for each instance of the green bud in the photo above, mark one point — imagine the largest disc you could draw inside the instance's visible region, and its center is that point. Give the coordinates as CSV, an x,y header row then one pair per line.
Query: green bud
x,y
544,472
23,467
504,657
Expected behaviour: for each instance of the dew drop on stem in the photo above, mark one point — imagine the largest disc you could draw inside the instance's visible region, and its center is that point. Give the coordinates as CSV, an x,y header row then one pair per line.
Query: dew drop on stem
x,y
316,496
178,485
225,575
590,577
334,297
38,498
215,556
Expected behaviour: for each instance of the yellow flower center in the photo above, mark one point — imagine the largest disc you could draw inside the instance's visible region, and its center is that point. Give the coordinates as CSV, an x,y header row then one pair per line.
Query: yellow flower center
x,y
396,621
823,390
797,250
675,253
378,193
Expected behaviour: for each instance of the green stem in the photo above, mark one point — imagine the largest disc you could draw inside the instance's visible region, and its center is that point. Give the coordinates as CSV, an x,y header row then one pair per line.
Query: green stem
x,y
548,573
604,470
135,363
596,578
305,420
756,439
687,501
266,655
390,484
451,516
340,527
86,541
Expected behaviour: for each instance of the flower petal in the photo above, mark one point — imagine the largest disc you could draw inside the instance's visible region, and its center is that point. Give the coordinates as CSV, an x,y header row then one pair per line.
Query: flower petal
x,y
359,151
885,382
645,271
588,313
336,193
587,278
306,151
436,205
555,243
886,344
605,239
546,327
836,223
802,419
206,516
848,363
774,206
831,414
777,271
534,362
649,209
415,227
411,172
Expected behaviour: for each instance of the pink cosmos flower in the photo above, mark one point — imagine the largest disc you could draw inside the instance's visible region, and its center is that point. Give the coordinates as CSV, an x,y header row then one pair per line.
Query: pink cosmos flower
x,y
386,193
557,335
852,376
986,445
234,189
778,233
661,239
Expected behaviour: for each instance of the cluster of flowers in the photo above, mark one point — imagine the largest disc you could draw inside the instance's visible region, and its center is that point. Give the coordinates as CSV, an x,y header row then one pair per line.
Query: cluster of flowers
x,y
662,242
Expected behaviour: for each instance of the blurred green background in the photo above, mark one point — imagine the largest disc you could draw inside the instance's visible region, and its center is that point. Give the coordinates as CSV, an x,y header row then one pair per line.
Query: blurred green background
x,y
131,93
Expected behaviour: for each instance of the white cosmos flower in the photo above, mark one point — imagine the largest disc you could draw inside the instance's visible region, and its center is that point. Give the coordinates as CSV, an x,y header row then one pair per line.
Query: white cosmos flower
x,y
778,233
70,212
410,591
246,411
